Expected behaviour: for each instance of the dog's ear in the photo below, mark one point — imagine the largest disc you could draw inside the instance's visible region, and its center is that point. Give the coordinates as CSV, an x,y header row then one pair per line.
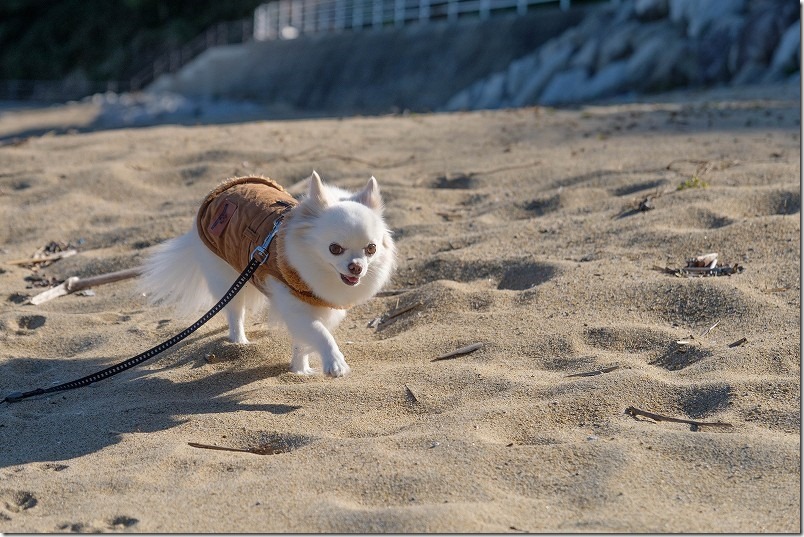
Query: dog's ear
x,y
317,191
370,195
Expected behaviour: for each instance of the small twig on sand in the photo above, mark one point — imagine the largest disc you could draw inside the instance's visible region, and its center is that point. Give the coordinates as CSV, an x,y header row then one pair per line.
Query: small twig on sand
x,y
391,292
411,396
738,342
43,259
458,352
264,449
634,412
392,316
702,334
593,373
74,284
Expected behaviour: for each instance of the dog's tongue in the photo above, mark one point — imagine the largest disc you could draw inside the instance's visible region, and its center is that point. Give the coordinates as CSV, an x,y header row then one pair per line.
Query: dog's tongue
x,y
350,280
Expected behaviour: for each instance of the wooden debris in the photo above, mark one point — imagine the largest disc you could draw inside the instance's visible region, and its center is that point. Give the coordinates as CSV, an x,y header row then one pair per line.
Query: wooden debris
x,y
391,292
739,342
776,290
706,260
411,396
593,373
74,284
458,352
702,265
387,319
46,258
263,449
635,412
702,334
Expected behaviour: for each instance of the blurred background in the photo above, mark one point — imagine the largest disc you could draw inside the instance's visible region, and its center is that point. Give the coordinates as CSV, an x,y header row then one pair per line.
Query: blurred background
x,y
144,61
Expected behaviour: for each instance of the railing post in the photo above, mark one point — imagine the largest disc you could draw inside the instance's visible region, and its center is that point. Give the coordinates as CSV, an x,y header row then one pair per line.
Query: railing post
x,y
521,7
485,9
357,15
340,16
452,10
399,13
424,10
376,15
564,5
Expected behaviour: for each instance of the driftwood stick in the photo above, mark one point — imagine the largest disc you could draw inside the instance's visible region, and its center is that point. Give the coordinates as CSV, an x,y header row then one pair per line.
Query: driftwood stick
x,y
593,373
396,313
74,283
634,412
411,396
263,449
738,342
458,352
44,259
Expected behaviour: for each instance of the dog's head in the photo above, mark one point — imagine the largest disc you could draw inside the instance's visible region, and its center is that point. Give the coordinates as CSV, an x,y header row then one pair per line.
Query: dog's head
x,y
339,243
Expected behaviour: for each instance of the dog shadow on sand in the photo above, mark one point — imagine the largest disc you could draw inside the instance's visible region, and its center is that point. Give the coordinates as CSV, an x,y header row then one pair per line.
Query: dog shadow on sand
x,y
69,424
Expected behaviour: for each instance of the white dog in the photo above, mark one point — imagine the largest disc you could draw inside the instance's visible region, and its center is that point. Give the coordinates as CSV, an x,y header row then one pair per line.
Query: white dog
x,y
332,251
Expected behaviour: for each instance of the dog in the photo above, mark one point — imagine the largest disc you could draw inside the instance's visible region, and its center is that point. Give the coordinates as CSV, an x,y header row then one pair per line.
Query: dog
x,y
332,251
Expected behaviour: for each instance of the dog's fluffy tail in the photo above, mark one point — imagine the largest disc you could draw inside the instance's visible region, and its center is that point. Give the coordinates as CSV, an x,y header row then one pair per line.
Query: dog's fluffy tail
x,y
174,274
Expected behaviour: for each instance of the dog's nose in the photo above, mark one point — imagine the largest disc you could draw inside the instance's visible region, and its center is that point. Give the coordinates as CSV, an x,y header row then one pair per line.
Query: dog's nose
x,y
355,268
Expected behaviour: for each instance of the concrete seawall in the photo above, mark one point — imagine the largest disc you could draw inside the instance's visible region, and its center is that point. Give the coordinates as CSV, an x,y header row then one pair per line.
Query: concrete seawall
x,y
415,68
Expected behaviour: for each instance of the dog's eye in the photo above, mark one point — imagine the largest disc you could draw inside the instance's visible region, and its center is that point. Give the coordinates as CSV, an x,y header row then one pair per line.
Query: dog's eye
x,y
371,249
335,249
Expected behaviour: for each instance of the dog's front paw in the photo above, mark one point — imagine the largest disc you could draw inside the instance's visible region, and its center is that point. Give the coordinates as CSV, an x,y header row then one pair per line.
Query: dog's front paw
x,y
336,367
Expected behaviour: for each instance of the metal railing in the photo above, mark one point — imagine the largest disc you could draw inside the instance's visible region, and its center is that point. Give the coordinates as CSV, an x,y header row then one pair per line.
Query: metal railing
x,y
56,90
287,19
224,33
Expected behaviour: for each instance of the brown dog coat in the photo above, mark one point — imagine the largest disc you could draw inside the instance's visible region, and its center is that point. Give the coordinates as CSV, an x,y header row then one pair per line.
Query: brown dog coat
x,y
236,217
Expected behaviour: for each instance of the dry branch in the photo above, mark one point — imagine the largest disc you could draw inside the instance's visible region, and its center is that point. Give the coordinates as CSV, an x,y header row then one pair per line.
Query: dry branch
x,y
458,352
43,259
593,373
263,449
738,342
634,412
74,284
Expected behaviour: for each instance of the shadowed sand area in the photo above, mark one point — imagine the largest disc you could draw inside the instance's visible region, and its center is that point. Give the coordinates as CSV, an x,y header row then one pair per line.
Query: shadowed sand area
x,y
516,229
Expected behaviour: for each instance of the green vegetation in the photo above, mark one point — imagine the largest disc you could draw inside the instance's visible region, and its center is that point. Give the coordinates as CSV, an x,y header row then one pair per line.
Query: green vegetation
x,y
693,182
101,39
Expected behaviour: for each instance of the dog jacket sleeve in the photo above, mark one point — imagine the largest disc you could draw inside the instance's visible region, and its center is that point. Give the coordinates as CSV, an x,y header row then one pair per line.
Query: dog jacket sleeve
x,y
237,216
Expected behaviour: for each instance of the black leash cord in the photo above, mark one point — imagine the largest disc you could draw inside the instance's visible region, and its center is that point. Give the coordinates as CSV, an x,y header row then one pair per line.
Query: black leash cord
x,y
150,353
258,257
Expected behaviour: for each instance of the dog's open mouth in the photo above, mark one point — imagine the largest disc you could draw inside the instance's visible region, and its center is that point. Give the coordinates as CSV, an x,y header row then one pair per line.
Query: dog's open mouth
x,y
350,280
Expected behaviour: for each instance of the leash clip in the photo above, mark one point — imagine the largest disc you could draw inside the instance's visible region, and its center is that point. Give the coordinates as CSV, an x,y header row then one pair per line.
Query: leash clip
x,y
261,251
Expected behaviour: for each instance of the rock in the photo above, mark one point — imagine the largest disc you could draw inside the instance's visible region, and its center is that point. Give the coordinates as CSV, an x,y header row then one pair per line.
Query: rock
x,y
536,82
586,56
647,56
714,48
491,92
787,56
697,15
518,73
639,46
565,87
648,10
750,73
616,44
678,68
609,81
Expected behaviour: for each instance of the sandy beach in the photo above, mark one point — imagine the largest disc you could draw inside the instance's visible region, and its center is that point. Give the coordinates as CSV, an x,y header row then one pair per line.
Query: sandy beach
x,y
540,234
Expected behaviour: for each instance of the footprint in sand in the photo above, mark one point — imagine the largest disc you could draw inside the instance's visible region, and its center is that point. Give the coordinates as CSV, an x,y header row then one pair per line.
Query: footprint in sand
x,y
31,322
119,524
13,502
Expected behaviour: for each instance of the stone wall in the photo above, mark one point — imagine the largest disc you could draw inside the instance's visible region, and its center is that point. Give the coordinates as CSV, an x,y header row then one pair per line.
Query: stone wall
x,y
645,46
415,68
